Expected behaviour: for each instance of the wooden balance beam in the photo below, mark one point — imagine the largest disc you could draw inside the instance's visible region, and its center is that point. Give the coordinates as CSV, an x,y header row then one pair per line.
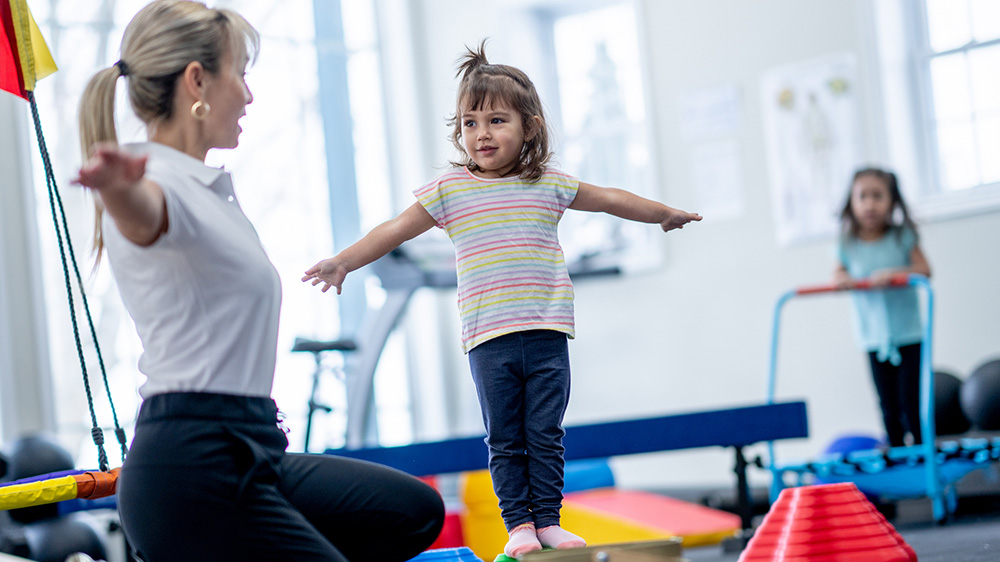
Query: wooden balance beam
x,y
731,427
647,551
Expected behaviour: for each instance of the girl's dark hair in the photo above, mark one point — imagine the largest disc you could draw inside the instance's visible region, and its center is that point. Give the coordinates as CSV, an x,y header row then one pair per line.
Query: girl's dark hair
x,y
485,85
850,223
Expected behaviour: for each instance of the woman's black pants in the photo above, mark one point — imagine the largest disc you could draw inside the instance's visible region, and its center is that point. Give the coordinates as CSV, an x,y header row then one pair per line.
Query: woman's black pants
x,y
207,479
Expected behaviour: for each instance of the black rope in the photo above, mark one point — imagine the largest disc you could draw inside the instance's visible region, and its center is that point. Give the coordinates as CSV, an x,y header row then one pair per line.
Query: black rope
x,y
56,201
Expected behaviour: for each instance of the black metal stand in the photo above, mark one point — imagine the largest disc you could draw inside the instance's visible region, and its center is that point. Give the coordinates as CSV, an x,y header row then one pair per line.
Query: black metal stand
x,y
317,348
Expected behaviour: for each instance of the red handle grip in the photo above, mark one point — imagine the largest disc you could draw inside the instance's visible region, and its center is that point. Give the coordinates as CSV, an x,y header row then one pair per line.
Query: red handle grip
x,y
897,280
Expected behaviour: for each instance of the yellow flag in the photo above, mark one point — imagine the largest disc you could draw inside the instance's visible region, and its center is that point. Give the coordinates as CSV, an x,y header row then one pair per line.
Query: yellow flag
x,y
36,60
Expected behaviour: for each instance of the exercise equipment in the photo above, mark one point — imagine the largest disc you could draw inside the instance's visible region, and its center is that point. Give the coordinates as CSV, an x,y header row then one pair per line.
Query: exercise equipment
x,y
734,427
42,474
980,396
458,554
602,514
666,550
53,540
318,348
43,478
595,509
29,60
32,455
29,457
949,419
898,472
29,493
851,443
826,523
643,516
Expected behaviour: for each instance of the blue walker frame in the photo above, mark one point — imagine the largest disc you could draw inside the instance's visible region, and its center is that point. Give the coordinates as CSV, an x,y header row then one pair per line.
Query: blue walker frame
x,y
924,454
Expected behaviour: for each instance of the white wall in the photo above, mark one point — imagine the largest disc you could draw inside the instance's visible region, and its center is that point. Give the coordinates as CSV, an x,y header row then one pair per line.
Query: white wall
x,y
26,402
695,335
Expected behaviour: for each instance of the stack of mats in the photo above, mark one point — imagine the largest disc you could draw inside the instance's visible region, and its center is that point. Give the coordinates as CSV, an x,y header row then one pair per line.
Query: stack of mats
x,y
601,515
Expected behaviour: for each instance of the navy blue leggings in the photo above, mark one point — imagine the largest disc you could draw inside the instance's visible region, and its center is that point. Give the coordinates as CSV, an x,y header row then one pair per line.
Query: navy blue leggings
x,y
523,384
207,478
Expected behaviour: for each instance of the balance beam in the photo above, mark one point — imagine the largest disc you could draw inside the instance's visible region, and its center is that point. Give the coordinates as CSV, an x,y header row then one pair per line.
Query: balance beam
x,y
731,427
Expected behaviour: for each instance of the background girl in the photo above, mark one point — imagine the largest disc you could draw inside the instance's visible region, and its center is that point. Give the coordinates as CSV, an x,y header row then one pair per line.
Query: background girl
x,y
501,205
879,240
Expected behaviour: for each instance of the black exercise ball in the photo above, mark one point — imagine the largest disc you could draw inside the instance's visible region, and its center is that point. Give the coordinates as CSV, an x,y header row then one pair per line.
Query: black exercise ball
x,y
35,455
54,540
948,416
980,396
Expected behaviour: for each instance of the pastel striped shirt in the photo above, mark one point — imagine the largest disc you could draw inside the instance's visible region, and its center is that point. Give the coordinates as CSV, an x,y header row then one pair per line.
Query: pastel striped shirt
x,y
511,271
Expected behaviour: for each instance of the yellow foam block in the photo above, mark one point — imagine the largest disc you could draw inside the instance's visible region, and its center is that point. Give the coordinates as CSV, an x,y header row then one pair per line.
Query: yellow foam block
x,y
482,526
600,516
484,532
602,528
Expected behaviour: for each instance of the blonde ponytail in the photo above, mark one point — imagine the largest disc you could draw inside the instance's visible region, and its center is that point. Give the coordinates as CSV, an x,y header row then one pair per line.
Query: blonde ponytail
x,y
97,124
158,44
97,110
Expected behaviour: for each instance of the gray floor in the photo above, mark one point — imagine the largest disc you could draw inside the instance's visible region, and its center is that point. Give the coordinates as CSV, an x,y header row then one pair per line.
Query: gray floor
x,y
971,535
969,538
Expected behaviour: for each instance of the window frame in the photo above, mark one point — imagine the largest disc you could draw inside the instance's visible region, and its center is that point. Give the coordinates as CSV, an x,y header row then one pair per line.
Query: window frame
x,y
900,31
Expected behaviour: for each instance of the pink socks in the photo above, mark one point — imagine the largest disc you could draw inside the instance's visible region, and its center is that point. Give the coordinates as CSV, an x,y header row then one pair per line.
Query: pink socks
x,y
522,540
555,536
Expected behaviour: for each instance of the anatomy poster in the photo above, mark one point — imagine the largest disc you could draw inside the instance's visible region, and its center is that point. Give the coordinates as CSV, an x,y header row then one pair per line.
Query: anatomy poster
x,y
811,134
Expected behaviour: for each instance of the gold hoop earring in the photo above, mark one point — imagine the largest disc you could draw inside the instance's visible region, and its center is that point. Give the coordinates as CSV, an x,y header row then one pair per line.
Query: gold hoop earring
x,y
200,110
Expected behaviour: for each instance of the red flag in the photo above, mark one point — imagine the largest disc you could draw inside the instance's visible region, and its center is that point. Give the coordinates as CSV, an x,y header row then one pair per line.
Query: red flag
x,y
10,62
24,57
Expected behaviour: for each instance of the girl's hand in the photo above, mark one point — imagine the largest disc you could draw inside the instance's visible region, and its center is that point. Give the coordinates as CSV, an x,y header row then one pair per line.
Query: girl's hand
x,y
111,170
842,279
677,219
882,277
330,271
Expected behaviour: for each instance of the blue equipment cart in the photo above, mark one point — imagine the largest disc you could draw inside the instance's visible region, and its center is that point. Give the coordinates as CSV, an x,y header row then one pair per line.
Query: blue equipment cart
x,y
929,469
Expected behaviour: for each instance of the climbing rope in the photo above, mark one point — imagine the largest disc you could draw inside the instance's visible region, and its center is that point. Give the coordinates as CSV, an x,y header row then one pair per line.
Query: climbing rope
x,y
55,203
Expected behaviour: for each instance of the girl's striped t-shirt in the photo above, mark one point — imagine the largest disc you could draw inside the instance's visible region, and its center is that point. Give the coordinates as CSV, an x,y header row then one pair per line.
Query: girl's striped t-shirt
x,y
511,271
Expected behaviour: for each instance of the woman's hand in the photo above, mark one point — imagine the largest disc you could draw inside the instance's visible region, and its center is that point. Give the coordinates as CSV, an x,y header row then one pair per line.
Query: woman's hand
x,y
136,204
111,170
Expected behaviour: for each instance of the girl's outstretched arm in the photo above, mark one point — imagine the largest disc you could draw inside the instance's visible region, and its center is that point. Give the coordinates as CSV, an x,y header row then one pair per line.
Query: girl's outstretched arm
x,y
380,241
136,204
627,205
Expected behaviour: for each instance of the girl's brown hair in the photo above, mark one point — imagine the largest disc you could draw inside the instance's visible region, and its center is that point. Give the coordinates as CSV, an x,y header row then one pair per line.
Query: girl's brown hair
x,y
158,44
487,85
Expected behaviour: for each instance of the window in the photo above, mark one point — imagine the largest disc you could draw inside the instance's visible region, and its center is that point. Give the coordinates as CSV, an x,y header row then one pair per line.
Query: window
x,y
85,37
602,113
961,59
940,62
